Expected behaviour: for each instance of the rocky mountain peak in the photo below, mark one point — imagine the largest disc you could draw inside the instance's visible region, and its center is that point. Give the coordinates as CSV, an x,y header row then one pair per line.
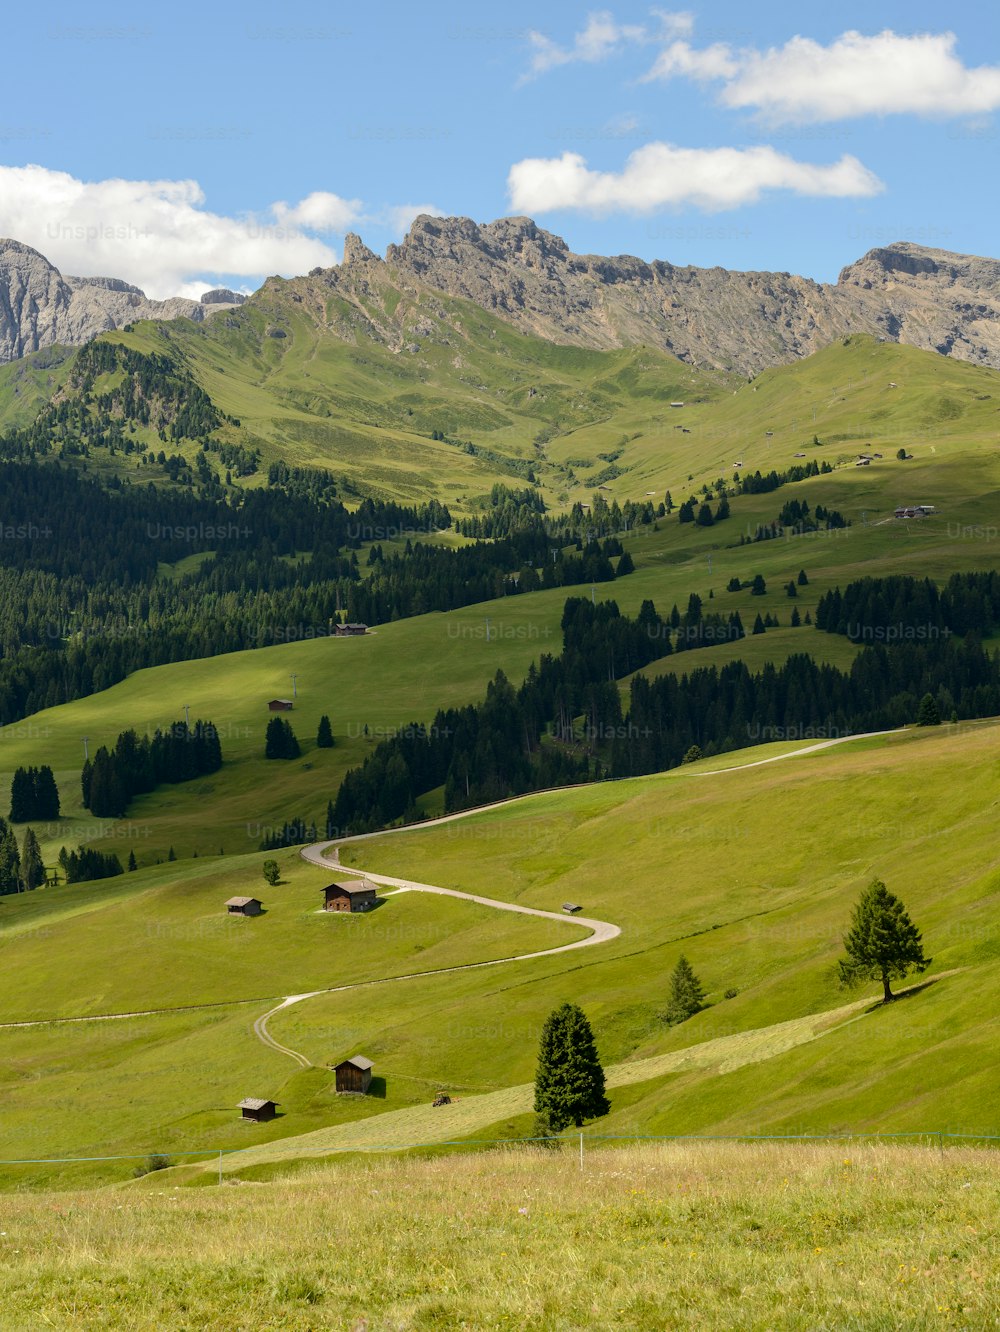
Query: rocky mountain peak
x,y
357,252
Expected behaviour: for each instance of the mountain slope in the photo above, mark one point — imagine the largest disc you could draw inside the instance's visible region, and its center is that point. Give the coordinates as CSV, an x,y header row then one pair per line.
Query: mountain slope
x,y
706,316
39,306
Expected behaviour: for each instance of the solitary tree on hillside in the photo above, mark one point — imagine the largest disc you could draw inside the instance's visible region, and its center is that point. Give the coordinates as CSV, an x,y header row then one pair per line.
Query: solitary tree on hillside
x,y
692,755
802,580
280,741
324,735
883,943
758,587
686,995
927,713
569,1082
271,872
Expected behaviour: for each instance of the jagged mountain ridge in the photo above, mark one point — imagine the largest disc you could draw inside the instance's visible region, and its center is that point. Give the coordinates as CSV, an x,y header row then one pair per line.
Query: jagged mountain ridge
x,y
714,318
40,306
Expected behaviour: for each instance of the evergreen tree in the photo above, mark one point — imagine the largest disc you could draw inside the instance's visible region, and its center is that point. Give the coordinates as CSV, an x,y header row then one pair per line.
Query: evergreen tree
x,y
692,755
324,734
569,1081
722,512
791,589
626,565
171,855
22,796
802,580
280,741
758,587
271,872
883,943
796,617
10,860
46,794
758,626
927,713
686,995
32,866
132,863
705,518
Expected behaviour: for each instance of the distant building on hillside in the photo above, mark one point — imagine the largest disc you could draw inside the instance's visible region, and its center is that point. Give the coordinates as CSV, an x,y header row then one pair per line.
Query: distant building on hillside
x,y
914,511
280,705
349,895
354,1074
349,630
244,906
258,1109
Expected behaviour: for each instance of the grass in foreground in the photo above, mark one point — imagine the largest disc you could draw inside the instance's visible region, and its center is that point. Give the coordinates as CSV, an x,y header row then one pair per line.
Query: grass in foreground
x,y
732,1236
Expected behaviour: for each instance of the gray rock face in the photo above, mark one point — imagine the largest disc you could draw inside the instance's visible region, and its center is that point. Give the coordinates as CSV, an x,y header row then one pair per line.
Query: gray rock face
x,y
222,296
39,306
706,316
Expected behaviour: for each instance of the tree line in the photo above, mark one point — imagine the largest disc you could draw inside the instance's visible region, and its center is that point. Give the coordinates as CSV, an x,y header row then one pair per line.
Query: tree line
x,y
900,606
138,764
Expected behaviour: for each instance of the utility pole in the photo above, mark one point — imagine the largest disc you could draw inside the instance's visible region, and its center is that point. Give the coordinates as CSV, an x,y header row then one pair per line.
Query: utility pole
x,y
86,752
187,715
295,688
709,564
487,635
593,595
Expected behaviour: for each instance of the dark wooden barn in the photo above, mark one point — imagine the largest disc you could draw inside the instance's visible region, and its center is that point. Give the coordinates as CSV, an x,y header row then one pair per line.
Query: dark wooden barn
x,y
244,906
349,895
280,705
354,1074
349,630
257,1109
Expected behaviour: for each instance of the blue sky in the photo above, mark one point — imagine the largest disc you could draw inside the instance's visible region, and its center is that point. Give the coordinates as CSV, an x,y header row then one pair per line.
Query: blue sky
x,y
179,147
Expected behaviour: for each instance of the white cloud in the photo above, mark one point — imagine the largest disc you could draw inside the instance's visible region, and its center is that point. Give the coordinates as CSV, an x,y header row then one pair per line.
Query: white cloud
x,y
320,211
158,234
602,37
854,76
660,175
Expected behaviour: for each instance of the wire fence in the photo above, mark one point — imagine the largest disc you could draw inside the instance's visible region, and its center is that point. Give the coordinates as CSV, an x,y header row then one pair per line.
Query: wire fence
x,y
260,1154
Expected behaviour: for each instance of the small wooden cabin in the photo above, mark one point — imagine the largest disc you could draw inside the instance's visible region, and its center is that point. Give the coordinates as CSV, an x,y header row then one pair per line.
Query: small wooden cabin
x,y
349,895
244,906
280,705
257,1109
354,1074
571,908
349,630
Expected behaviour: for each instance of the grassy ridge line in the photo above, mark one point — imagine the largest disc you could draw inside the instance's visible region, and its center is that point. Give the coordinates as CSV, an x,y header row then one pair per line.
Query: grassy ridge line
x,y
426,1125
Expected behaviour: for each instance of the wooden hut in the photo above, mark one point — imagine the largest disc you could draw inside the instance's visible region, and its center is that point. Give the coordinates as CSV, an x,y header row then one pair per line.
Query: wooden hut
x,y
354,1074
244,906
349,630
349,895
280,705
257,1109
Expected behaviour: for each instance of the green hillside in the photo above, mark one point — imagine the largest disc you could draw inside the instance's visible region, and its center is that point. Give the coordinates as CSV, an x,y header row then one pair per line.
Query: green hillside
x,y
750,872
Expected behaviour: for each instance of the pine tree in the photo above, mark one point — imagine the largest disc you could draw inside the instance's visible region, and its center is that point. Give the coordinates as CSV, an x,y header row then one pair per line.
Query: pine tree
x,y
626,565
171,854
280,741
927,713
802,580
10,860
791,589
758,587
132,863
569,1081
758,626
693,755
22,796
271,872
796,617
883,943
46,794
686,995
324,734
32,865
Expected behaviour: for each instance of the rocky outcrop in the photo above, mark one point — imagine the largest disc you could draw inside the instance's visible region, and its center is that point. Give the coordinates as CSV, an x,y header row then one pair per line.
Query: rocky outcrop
x,y
40,307
222,296
706,316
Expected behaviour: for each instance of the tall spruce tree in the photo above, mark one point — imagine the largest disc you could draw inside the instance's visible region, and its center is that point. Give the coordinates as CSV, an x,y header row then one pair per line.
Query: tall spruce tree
x,y
46,794
10,860
22,796
883,943
324,733
569,1082
927,713
686,996
32,865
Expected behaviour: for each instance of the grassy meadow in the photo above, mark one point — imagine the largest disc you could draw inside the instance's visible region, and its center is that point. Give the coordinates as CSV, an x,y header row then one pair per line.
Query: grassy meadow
x,y
706,1236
